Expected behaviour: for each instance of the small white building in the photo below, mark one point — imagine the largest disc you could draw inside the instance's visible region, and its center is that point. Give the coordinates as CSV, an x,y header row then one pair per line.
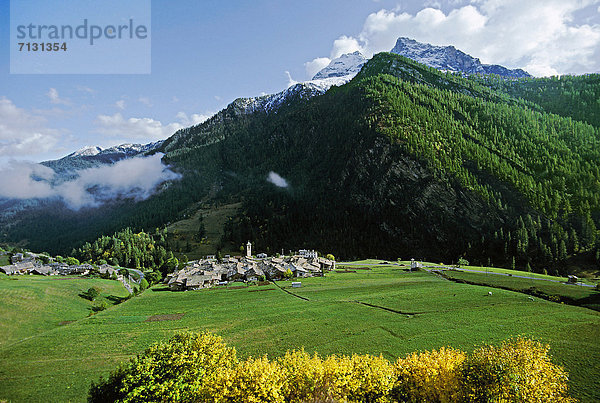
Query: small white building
x,y
248,249
309,254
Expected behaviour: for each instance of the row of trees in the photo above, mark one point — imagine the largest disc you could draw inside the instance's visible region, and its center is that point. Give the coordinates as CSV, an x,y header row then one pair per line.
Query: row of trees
x,y
127,248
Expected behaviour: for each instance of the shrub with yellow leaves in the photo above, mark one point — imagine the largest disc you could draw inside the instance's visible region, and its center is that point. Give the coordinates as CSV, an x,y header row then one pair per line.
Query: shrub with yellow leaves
x,y
200,367
304,377
519,370
431,376
360,378
252,381
178,370
363,378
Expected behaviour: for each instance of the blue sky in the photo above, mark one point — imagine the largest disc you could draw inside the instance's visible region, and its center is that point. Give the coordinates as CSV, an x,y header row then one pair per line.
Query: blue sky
x,y
206,53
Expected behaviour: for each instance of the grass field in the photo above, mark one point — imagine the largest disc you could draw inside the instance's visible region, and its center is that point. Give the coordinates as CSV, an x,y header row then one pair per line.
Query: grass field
x,y
405,312
583,296
31,305
525,273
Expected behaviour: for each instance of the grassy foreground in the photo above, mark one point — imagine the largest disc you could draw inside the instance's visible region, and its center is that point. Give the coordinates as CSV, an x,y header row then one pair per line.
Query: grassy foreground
x,y
384,310
31,305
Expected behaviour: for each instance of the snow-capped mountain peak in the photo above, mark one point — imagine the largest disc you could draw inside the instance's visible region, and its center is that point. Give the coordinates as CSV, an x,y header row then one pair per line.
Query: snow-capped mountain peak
x,y
91,156
86,151
345,65
449,58
304,90
338,72
132,149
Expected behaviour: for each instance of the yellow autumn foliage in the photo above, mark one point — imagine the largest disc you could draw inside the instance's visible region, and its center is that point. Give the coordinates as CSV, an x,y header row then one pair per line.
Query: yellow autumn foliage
x,y
359,378
179,370
430,376
254,380
519,370
304,377
201,368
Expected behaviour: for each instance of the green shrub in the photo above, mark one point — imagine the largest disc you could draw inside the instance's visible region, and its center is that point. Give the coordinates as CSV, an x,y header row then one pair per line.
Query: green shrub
x,y
153,277
100,306
44,259
463,262
91,293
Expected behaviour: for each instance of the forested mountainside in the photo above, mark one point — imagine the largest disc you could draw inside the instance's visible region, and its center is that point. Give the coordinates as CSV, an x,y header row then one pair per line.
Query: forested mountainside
x,y
402,161
577,97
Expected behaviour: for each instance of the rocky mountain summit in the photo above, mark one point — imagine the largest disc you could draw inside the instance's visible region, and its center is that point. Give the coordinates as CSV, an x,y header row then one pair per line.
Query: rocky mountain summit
x,y
448,58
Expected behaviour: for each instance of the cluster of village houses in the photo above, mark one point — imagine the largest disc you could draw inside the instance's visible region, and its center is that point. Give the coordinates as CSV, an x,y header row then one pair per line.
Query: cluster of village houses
x,y
32,263
209,272
195,275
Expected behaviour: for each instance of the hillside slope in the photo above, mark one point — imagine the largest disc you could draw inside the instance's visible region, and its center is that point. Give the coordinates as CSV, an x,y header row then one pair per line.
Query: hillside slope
x,y
408,160
402,161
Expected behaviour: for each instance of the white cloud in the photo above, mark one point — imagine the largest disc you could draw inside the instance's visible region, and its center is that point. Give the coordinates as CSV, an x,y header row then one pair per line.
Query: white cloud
x,y
146,101
145,129
343,45
540,36
21,180
23,132
120,104
56,99
291,81
277,180
194,119
92,187
316,65
83,88
135,128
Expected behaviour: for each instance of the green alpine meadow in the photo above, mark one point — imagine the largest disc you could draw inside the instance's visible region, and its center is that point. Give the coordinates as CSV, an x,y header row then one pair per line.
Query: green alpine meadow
x,y
392,219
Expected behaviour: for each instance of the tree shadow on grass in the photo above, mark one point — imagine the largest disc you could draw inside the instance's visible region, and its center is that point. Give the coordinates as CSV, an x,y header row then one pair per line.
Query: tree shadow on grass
x,y
591,302
160,289
115,300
